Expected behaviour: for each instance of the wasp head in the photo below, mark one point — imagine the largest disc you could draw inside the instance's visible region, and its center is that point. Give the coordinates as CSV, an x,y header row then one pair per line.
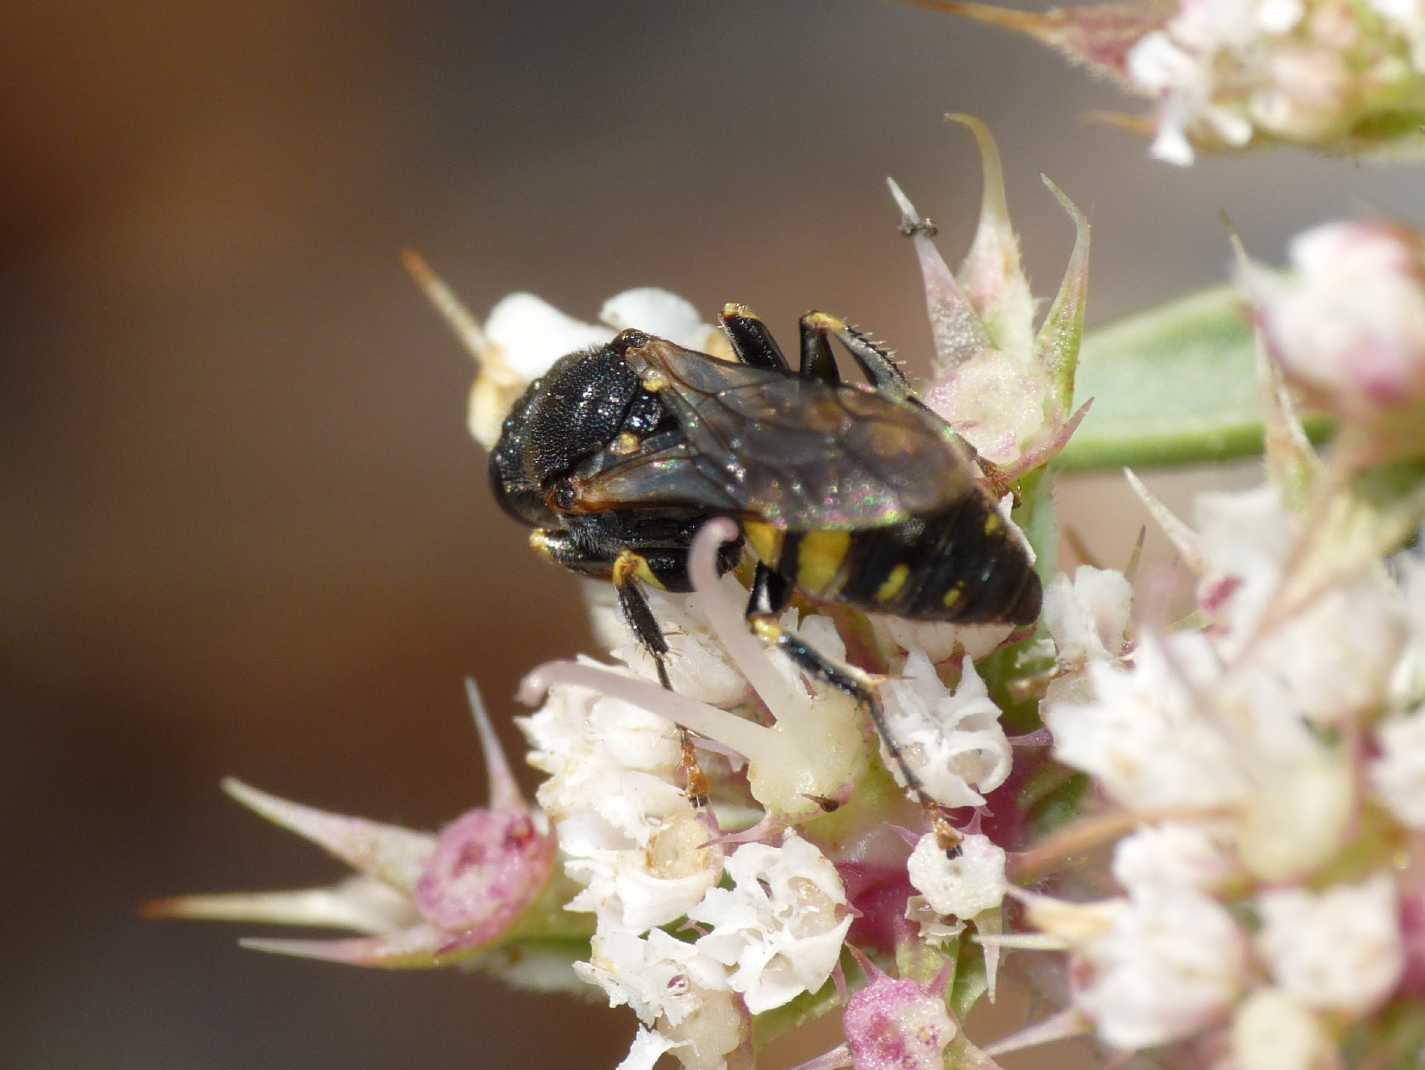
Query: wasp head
x,y
571,412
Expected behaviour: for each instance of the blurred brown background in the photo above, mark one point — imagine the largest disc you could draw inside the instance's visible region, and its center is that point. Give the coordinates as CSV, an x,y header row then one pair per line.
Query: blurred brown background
x,y
245,530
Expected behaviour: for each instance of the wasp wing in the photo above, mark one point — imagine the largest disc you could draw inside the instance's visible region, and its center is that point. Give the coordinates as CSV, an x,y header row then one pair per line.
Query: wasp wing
x,y
666,477
802,454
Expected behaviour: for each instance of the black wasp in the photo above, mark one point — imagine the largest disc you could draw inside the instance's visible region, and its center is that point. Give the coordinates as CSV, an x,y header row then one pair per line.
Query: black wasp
x,y
844,492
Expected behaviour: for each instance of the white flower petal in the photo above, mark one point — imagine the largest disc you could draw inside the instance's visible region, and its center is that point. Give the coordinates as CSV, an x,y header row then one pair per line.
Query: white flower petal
x,y
963,886
780,926
1173,855
659,313
648,1047
1339,949
1170,963
1398,773
952,742
532,334
1088,614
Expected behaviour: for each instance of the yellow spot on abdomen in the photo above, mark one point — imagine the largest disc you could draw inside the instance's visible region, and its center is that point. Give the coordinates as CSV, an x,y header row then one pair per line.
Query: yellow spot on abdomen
x,y
953,594
819,558
893,583
766,541
993,523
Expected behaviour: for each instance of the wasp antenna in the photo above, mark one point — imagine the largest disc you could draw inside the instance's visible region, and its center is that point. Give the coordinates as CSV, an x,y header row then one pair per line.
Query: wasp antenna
x,y
450,307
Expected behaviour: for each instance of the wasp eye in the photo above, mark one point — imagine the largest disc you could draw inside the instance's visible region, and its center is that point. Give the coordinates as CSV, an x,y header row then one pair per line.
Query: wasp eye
x,y
564,496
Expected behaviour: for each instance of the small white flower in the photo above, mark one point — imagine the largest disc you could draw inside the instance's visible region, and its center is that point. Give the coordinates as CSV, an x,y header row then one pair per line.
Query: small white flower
x,y
952,742
648,1047
781,926
524,335
937,640
1338,655
1339,949
1244,540
1408,684
1087,615
642,887
607,758
1398,773
932,926
1409,17
532,334
1223,70
1144,736
657,976
1173,855
1272,1031
713,1031
1170,963
963,886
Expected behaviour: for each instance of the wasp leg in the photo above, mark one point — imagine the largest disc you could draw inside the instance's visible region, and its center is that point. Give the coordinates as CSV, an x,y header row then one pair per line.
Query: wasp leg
x,y
846,678
817,359
882,371
771,593
751,340
630,571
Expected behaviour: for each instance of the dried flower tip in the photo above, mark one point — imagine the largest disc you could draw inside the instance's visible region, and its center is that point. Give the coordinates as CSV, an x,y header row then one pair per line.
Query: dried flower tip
x,y
1005,388
389,853
1068,1023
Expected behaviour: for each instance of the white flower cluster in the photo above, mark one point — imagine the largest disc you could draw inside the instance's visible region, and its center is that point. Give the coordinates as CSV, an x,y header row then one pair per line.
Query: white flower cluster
x,y
1251,751
1229,71
764,921
647,858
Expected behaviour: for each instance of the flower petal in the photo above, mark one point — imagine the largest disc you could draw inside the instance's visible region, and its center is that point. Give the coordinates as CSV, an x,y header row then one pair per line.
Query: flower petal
x,y
394,855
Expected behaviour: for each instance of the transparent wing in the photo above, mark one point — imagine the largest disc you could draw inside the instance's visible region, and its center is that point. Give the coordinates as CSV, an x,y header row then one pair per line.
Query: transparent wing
x,y
669,477
802,454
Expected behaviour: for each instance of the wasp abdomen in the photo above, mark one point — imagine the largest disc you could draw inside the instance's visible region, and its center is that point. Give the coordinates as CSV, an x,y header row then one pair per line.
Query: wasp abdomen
x,y
960,564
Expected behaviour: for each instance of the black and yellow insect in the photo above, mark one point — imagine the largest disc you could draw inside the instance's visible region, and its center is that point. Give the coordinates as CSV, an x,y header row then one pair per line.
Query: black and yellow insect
x,y
846,493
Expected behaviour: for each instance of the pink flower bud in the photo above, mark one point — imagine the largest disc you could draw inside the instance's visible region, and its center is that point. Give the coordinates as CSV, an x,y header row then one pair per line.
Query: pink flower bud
x,y
487,867
1348,327
898,1025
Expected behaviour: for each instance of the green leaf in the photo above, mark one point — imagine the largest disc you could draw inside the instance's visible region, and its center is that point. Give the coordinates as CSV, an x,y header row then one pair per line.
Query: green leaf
x,y
1052,798
971,981
1173,385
